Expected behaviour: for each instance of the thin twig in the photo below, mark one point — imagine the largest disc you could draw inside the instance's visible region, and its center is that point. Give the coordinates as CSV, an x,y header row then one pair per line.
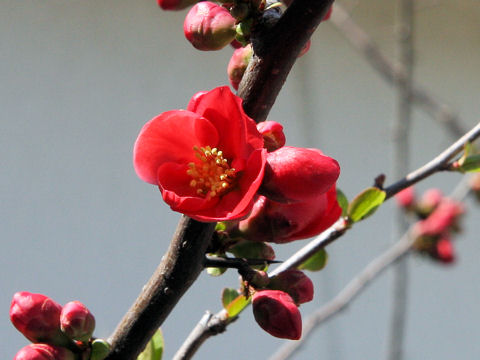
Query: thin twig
x,y
439,163
376,267
392,73
401,156
350,291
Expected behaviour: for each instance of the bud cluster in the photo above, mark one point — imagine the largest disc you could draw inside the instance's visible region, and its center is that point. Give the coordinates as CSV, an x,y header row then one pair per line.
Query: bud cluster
x,y
56,332
213,25
297,200
438,222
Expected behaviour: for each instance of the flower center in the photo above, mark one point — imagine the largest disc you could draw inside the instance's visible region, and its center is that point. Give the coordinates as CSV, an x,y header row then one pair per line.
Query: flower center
x,y
213,176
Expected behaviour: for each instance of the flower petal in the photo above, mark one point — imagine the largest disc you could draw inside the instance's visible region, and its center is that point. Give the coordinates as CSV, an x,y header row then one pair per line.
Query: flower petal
x,y
174,183
170,137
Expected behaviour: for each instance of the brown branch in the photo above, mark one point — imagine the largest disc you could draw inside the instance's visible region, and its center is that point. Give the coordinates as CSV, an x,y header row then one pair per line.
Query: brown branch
x,y
336,231
276,51
375,268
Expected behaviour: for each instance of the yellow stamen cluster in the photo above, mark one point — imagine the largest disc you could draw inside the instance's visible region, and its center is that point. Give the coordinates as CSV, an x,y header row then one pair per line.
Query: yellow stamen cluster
x,y
213,175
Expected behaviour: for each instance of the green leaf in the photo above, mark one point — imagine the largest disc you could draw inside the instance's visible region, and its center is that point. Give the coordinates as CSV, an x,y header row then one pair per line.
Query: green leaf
x,y
315,262
342,201
154,348
215,271
237,305
100,349
470,164
228,295
365,203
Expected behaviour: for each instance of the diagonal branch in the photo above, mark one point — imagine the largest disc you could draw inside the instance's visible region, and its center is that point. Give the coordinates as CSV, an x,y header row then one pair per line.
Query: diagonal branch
x,y
439,163
262,83
359,283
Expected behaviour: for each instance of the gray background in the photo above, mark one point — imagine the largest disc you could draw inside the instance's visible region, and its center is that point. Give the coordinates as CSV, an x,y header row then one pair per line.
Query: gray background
x,y
80,77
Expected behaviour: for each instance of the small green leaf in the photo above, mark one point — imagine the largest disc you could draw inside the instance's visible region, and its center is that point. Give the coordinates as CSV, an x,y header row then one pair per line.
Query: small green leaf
x,y
365,203
154,348
236,306
315,262
215,271
470,164
100,349
228,295
342,201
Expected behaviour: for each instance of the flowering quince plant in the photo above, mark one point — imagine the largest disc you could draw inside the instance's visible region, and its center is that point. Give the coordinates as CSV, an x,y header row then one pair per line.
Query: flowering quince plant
x,y
208,160
213,163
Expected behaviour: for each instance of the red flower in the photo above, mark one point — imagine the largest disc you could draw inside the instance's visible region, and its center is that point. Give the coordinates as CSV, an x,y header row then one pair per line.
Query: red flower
x,y
281,223
208,160
175,4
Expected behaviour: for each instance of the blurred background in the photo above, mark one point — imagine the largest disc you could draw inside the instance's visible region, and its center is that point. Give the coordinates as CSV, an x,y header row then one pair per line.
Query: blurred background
x,y
79,78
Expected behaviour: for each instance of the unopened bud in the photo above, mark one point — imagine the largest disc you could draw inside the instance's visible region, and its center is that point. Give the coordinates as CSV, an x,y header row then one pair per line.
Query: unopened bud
x,y
44,352
76,321
429,201
298,174
209,26
281,223
175,4
273,136
444,251
277,314
238,64
441,219
295,283
406,198
37,317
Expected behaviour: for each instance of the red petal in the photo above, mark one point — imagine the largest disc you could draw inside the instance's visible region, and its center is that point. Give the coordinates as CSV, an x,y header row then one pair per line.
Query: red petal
x,y
239,202
170,137
174,183
229,119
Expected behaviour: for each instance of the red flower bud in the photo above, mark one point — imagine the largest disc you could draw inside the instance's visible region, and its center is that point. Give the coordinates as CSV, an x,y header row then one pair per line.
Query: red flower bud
x,y
209,26
441,219
298,174
277,314
37,317
295,283
430,200
273,136
444,251
280,223
44,352
238,64
406,197
76,321
175,4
